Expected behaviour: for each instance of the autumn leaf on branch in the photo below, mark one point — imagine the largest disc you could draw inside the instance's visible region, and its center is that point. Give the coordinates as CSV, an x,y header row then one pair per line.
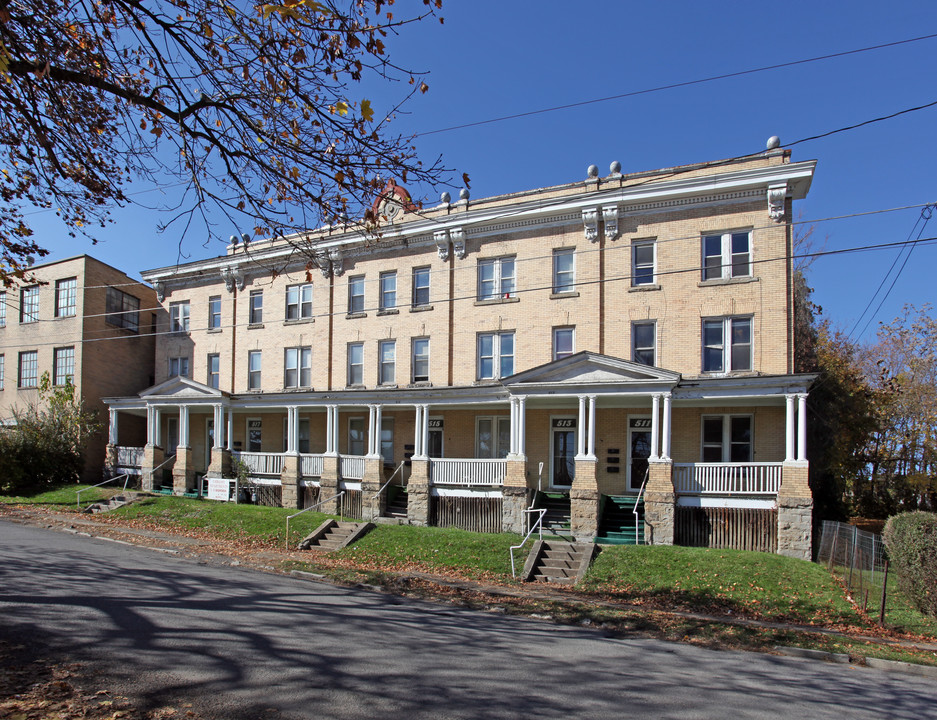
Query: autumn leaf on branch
x,y
246,106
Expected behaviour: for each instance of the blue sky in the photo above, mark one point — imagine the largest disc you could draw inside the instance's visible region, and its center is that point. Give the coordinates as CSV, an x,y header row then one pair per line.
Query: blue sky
x,y
491,59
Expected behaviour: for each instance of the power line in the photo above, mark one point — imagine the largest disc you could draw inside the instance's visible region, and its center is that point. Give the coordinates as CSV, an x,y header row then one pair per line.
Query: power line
x,y
673,86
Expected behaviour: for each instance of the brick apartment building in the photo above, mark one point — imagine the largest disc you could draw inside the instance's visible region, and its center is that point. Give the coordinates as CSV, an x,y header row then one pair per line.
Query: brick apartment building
x,y
628,336
79,320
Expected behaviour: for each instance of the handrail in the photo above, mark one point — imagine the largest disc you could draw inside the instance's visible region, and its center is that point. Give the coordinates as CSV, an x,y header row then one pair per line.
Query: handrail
x,y
637,535
538,525
116,477
313,507
153,471
384,486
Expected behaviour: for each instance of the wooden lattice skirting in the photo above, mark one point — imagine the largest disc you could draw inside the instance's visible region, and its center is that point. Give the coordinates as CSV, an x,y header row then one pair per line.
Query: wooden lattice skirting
x,y
353,500
467,513
736,528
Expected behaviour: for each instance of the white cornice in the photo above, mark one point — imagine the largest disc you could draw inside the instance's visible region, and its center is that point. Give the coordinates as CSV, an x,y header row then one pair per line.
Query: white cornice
x,y
478,222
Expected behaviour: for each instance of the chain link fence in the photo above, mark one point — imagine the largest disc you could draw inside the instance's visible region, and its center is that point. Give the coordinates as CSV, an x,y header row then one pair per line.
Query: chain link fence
x,y
857,557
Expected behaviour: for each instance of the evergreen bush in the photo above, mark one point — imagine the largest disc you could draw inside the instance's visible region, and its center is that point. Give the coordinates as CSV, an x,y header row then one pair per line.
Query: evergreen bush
x,y
911,540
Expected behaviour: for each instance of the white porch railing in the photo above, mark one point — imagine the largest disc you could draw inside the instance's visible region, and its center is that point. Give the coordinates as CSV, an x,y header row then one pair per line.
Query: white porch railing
x,y
261,463
131,457
351,467
475,471
311,465
727,478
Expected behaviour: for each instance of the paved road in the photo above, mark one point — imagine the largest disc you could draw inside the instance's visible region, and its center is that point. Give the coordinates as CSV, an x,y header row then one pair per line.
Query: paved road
x,y
242,643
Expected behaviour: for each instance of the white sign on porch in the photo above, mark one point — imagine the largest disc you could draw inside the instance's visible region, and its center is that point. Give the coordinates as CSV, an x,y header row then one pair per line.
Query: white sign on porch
x,y
220,489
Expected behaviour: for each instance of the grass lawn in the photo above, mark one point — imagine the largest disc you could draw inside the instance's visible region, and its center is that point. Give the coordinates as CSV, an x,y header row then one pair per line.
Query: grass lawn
x,y
653,580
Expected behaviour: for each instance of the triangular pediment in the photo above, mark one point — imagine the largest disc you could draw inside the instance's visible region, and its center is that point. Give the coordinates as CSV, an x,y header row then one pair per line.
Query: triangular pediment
x,y
587,368
181,387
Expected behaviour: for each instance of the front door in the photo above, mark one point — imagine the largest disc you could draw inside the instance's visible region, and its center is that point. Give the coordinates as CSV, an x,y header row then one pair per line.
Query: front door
x,y
639,450
563,452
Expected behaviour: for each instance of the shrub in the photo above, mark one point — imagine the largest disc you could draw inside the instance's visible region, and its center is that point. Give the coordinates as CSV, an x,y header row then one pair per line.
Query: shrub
x,y
911,540
46,445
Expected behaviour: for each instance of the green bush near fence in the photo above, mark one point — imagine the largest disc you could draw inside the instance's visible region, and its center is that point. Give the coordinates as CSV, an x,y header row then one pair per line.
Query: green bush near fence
x,y
911,539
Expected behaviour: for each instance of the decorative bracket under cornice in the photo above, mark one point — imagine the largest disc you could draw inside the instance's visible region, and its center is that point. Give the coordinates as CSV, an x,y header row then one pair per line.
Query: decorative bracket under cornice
x,y
776,197
160,288
458,242
233,278
337,262
590,221
441,238
610,215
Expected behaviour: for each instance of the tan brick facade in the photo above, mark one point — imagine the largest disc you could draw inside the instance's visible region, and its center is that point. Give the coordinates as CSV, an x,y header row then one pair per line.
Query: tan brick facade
x,y
112,353
684,270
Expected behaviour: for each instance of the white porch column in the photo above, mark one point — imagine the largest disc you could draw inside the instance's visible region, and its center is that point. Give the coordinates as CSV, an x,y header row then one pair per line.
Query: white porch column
x,y
378,413
655,426
789,429
184,426
417,431
370,451
665,435
329,447
591,446
581,434
218,422
424,430
157,418
521,426
229,436
513,407
802,428
150,425
112,426
292,415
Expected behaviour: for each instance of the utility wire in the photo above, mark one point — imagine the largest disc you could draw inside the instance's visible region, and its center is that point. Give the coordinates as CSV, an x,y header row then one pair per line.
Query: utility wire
x,y
673,86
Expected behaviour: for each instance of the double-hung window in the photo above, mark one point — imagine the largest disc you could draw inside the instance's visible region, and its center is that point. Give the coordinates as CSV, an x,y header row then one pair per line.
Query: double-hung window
x,y
28,376
356,364
179,366
299,302
29,304
254,358
388,298
66,297
728,255
495,355
256,307
179,316
2,368
214,370
643,263
297,367
420,360
63,365
564,341
420,287
356,294
3,309
387,363
492,437
727,438
496,278
644,342
123,310
564,271
727,344
214,312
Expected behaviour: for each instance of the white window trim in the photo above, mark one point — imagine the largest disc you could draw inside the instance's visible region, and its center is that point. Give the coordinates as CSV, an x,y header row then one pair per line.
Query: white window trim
x,y
415,288
496,421
727,434
212,299
349,364
255,311
364,434
572,331
634,262
383,304
355,281
259,371
413,356
208,368
180,360
496,355
726,269
499,277
575,431
299,351
727,344
563,252
634,348
382,379
179,314
303,307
